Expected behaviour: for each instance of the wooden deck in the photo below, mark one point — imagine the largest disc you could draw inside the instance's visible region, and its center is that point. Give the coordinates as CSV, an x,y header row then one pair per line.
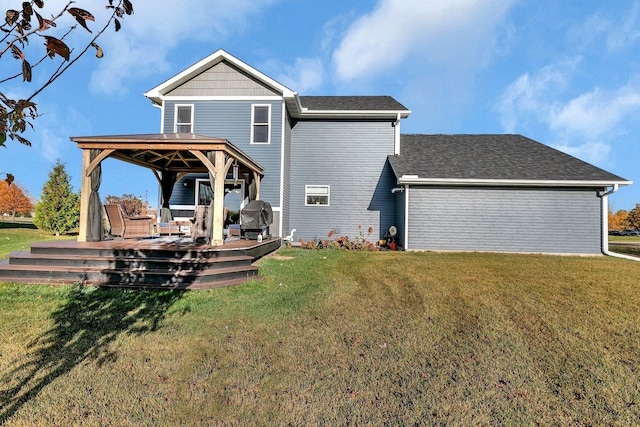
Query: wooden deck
x,y
146,263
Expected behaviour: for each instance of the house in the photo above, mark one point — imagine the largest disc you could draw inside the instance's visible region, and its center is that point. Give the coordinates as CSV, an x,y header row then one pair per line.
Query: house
x,y
339,163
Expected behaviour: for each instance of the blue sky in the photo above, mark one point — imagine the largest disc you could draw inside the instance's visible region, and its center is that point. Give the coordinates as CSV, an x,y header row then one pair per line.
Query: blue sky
x,y
566,73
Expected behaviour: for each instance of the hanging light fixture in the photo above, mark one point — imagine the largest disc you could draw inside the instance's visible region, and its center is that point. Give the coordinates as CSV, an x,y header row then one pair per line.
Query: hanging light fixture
x,y
235,170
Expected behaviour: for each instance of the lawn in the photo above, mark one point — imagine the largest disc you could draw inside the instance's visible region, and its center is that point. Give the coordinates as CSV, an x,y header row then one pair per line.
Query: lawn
x,y
19,235
335,338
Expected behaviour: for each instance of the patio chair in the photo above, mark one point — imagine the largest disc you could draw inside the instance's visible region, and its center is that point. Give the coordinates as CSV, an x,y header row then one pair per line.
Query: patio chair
x,y
122,225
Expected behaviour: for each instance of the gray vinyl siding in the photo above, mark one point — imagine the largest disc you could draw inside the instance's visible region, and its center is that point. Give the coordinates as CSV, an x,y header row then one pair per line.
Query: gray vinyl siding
x,y
232,120
350,157
223,79
505,220
286,178
400,209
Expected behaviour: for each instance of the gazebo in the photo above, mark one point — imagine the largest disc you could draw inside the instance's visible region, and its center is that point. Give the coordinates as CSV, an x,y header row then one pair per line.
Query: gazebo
x,y
169,156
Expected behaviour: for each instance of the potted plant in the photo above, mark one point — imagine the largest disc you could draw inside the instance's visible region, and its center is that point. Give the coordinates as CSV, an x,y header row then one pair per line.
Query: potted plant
x,y
390,237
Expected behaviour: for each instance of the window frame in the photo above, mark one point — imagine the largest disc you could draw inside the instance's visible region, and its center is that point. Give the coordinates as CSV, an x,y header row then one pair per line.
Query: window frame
x,y
254,124
307,194
227,182
176,123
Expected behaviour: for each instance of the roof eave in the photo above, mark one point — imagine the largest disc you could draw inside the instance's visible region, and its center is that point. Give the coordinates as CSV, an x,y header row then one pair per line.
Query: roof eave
x,y
413,180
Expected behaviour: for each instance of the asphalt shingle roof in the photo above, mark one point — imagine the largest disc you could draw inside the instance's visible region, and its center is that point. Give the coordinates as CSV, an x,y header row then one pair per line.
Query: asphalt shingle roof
x,y
351,103
499,157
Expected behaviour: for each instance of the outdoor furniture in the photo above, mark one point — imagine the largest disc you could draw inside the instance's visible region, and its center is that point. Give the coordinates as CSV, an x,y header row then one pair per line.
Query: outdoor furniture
x,y
168,228
255,219
200,224
122,225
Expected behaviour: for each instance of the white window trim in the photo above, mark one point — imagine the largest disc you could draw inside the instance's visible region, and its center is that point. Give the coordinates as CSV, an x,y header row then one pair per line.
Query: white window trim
x,y
306,194
253,111
175,116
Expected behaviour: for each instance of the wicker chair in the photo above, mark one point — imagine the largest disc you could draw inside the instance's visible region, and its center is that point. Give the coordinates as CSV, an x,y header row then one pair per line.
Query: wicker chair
x,y
122,225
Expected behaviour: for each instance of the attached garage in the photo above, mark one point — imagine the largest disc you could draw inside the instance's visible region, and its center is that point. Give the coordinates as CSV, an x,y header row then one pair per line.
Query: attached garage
x,y
497,193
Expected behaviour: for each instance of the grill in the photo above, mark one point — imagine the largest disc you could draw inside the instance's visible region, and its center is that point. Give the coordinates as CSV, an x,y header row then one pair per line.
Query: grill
x,y
255,220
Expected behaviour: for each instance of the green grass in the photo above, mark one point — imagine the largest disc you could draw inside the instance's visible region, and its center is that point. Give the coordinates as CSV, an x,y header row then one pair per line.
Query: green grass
x,y
335,338
19,235
634,239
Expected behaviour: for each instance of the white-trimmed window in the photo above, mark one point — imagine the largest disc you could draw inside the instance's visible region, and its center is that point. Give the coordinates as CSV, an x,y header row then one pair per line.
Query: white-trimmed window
x,y
316,195
183,118
261,124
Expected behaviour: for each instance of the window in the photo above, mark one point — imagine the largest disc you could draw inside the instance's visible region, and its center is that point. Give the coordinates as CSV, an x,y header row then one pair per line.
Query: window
x,y
233,196
183,119
316,195
260,124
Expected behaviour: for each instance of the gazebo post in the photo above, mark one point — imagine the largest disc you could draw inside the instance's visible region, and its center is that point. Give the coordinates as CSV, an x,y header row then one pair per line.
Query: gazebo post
x,y
85,192
217,237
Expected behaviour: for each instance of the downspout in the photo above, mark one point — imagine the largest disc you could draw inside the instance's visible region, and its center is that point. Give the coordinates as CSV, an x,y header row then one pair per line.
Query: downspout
x,y
396,135
604,196
406,217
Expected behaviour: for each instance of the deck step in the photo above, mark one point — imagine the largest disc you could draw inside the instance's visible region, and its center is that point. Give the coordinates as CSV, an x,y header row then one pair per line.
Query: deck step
x,y
150,263
135,264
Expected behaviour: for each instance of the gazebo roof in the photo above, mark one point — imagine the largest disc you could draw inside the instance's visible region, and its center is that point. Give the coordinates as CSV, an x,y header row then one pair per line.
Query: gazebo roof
x,y
166,151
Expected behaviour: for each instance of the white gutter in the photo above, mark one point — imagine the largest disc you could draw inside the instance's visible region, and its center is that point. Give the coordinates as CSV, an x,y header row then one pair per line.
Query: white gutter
x,y
415,180
605,225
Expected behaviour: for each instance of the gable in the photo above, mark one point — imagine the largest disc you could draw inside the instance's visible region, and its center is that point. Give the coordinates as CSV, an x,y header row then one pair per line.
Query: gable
x,y
223,79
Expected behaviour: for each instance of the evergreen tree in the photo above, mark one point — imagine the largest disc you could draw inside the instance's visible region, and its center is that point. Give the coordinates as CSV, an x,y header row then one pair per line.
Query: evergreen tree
x,y
59,208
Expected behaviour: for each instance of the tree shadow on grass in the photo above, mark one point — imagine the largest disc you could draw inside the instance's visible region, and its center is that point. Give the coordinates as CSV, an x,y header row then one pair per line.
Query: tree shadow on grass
x,y
17,224
83,329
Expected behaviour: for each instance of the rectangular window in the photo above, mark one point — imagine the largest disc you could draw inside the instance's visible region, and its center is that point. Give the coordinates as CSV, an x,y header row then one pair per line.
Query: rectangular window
x,y
183,119
316,195
260,124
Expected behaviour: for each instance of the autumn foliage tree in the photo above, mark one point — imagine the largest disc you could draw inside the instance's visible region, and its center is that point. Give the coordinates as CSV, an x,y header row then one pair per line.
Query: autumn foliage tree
x,y
59,208
14,199
618,221
134,206
23,28
634,217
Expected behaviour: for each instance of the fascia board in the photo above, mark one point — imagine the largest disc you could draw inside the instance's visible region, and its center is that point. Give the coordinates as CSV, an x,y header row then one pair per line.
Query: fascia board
x,y
351,114
157,92
412,180
222,98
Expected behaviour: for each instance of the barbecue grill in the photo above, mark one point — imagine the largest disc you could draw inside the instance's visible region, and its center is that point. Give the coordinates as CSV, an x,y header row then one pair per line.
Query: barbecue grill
x,y
255,219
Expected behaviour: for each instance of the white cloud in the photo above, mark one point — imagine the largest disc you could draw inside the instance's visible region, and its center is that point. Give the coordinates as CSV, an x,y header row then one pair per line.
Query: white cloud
x,y
304,76
592,152
531,95
50,138
617,32
624,33
594,114
457,32
584,125
141,47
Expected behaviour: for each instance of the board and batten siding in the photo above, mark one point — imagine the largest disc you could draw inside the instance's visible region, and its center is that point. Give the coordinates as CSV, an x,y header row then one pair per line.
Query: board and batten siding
x,y
232,120
350,157
505,220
